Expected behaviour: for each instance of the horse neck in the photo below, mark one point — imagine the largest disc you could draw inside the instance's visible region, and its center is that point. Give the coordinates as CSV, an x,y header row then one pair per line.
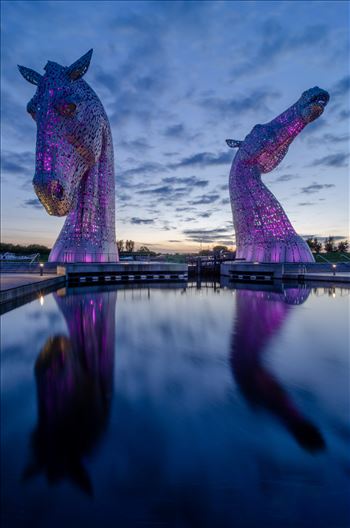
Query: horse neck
x,y
251,200
95,209
244,175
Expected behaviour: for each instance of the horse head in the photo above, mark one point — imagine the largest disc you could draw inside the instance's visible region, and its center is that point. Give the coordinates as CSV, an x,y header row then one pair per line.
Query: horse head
x,y
266,145
70,124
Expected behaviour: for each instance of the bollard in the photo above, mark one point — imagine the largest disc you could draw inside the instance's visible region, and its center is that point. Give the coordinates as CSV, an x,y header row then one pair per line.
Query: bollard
x,y
41,269
199,266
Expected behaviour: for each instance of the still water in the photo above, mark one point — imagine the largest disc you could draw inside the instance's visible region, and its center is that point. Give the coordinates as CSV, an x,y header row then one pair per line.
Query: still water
x,y
177,407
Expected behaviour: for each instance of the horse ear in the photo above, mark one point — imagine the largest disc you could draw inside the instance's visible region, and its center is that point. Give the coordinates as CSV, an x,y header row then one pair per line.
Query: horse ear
x,y
79,67
30,75
234,143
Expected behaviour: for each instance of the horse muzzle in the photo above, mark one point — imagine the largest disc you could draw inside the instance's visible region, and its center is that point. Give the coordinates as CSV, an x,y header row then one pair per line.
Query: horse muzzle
x,y
51,194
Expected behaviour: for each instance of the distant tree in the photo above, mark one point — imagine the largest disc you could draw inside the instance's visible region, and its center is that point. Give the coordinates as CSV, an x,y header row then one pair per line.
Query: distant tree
x,y
144,249
219,248
204,252
24,250
120,245
343,246
317,245
129,246
329,245
310,242
314,244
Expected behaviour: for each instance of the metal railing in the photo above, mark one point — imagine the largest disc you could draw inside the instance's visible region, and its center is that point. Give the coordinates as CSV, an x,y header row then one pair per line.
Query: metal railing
x,y
335,264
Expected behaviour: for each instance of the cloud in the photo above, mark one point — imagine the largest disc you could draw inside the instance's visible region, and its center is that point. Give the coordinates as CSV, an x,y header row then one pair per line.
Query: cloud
x,y
341,87
174,131
164,189
191,181
306,203
332,160
129,92
144,168
207,239
316,187
313,127
139,69
139,221
205,215
123,197
34,202
286,178
168,193
19,163
329,138
136,145
241,104
276,41
344,114
208,235
203,159
217,231
205,199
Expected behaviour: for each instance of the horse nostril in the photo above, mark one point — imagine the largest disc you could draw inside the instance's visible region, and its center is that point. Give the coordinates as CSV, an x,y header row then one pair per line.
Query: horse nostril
x,y
56,189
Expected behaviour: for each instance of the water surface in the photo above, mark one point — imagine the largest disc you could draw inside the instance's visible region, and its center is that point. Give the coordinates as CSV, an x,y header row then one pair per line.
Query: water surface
x,y
177,407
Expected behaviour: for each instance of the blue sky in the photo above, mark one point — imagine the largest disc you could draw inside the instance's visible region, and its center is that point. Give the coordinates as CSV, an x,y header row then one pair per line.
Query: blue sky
x,y
177,79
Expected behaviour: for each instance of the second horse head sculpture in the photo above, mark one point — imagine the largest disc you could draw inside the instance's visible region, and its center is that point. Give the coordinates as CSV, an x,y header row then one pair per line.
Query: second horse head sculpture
x,y
263,230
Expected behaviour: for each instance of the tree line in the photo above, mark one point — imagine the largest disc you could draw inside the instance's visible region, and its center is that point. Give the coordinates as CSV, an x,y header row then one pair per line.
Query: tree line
x,y
129,247
329,245
24,250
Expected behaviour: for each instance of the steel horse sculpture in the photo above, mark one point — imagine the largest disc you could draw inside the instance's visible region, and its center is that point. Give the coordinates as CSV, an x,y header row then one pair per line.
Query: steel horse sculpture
x,y
74,173
263,230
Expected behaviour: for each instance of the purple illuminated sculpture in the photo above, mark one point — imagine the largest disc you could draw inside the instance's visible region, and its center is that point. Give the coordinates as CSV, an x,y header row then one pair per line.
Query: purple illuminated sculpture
x,y
263,231
74,379
74,173
260,316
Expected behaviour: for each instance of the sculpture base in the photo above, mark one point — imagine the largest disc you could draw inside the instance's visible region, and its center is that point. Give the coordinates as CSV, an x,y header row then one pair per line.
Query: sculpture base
x,y
83,257
260,272
85,273
294,250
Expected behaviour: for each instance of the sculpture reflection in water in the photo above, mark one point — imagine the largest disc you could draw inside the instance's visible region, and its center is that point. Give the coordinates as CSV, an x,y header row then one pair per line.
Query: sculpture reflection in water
x,y
260,315
74,378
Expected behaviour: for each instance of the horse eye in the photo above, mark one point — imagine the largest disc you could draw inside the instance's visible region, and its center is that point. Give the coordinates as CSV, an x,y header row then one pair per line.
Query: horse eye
x,y
67,109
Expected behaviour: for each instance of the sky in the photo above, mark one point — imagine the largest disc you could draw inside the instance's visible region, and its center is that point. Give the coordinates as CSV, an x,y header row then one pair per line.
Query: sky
x,y
176,79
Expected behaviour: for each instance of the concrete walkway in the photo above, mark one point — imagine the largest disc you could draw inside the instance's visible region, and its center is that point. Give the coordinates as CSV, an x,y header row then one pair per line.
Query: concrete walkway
x,y
14,280
18,288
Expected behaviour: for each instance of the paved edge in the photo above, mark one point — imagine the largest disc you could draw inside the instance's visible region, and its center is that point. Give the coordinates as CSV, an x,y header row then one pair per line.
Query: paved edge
x,y
27,290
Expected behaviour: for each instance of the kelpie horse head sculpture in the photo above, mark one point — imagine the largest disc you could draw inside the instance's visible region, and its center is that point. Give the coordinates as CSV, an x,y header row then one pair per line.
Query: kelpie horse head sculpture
x,y
263,230
74,173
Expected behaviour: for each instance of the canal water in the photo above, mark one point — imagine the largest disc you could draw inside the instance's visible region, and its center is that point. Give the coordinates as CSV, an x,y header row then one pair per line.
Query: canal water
x,y
177,407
